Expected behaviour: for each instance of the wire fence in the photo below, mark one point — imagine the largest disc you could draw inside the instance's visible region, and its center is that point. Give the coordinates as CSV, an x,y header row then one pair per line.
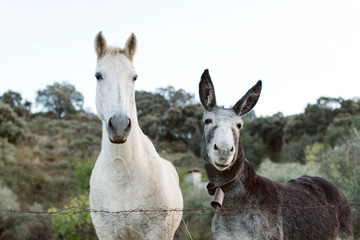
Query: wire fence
x,y
192,211
188,213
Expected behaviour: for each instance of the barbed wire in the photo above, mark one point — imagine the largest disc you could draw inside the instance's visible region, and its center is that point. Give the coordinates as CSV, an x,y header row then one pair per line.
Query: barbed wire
x,y
193,211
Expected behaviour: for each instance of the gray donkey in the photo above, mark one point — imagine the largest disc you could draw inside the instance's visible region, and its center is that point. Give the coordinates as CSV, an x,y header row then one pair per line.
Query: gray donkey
x,y
253,207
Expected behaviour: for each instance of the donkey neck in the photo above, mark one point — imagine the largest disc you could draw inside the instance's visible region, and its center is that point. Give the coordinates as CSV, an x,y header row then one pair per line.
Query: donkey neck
x,y
240,173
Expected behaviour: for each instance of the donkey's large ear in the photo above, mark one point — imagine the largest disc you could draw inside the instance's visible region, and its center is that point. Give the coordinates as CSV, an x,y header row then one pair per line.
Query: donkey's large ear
x,y
207,91
100,45
130,46
248,101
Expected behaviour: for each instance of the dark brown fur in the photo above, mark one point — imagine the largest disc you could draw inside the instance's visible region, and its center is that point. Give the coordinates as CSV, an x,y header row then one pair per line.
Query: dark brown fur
x,y
307,208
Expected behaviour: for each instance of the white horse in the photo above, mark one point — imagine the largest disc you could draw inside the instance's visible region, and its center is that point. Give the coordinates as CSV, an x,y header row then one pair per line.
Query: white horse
x,y
130,182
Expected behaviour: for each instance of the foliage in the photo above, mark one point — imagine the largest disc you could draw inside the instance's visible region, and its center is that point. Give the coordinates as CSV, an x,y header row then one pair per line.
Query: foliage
x,y
195,223
12,127
188,160
341,128
182,123
294,151
83,171
73,221
283,172
14,100
270,129
341,166
61,99
254,147
11,226
170,119
176,97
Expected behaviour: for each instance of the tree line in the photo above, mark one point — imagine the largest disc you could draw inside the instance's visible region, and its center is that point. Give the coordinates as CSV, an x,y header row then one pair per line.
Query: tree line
x,y
171,118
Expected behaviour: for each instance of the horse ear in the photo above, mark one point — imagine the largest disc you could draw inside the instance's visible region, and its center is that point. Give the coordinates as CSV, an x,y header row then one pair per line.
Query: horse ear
x,y
207,91
248,101
130,46
100,45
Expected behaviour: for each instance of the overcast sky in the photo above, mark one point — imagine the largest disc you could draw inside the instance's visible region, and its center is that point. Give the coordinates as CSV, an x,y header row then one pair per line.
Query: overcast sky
x,y
301,50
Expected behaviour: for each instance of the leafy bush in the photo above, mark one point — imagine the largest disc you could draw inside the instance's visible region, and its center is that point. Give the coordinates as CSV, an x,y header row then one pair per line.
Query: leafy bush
x,y
283,172
197,215
341,165
254,148
12,226
73,221
341,128
83,172
294,151
12,127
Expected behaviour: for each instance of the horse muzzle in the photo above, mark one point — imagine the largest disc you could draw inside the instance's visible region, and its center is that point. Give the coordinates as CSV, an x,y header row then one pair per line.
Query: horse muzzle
x,y
118,128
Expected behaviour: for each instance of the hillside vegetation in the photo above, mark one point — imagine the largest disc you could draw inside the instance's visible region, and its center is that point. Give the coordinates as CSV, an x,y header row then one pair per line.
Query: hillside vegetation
x,y
46,158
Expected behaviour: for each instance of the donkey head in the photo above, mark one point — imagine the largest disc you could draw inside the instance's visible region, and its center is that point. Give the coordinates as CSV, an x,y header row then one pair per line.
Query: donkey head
x,y
221,127
115,97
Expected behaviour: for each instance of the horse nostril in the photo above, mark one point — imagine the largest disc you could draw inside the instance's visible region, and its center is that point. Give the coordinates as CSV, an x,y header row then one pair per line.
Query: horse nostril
x,y
215,147
128,126
232,149
110,126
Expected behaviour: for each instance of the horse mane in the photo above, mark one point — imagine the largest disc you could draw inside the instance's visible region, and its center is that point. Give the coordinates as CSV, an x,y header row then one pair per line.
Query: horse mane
x,y
110,50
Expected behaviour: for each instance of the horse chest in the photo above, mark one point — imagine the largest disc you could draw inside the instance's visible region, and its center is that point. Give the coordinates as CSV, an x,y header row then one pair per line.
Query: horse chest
x,y
115,187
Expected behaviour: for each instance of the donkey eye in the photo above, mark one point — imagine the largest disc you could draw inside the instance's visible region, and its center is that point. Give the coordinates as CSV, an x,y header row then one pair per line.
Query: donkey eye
x,y
239,125
98,76
207,121
134,78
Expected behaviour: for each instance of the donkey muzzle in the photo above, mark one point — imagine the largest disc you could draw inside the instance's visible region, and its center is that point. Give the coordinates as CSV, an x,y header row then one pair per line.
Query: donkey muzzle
x,y
118,128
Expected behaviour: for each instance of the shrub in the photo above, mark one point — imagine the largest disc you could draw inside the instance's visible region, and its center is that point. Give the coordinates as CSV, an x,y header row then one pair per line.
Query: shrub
x,y
341,166
73,221
12,226
283,172
197,215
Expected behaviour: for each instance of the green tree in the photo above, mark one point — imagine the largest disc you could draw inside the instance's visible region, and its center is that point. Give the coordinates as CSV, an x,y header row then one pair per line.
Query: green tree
x,y
176,97
15,101
150,108
12,127
61,99
182,123
341,128
271,131
341,166
254,147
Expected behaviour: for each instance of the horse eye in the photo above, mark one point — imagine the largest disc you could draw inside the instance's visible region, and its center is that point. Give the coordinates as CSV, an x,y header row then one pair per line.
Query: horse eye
x,y
239,125
207,121
134,78
98,76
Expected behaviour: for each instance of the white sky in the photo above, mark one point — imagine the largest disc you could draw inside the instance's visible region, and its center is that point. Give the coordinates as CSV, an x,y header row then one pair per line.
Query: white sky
x,y
301,50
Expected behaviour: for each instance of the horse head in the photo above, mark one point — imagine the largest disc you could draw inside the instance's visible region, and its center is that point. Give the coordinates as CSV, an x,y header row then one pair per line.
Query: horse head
x,y
115,95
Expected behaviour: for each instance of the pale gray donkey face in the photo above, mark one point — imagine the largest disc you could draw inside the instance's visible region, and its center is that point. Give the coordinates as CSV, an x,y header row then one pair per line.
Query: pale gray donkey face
x,y
221,126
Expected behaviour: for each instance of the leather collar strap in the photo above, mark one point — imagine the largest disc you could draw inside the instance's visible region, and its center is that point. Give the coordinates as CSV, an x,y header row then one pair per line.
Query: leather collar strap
x,y
225,188
219,191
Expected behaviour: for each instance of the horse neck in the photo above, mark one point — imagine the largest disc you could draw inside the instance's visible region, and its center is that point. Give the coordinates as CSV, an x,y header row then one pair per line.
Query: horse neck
x,y
240,169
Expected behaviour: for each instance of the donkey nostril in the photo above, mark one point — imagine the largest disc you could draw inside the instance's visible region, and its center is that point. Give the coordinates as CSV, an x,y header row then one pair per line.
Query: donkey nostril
x,y
215,147
232,149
